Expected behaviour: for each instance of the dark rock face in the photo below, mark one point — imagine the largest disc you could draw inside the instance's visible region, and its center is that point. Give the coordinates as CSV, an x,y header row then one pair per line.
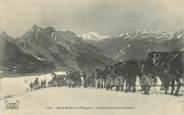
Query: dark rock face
x,y
45,49
14,60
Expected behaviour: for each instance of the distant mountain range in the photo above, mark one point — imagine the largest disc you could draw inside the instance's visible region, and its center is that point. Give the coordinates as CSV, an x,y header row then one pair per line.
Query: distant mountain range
x,y
138,43
45,50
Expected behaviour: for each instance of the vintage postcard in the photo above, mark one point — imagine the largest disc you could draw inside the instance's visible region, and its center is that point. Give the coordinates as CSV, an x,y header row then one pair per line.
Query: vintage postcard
x,y
91,57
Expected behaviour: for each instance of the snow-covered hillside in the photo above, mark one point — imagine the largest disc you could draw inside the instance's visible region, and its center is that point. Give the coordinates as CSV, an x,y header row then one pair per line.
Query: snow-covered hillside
x,y
49,101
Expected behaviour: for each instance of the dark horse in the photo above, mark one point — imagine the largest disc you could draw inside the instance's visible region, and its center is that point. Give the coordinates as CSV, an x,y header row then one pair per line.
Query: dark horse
x,y
148,72
74,79
131,72
170,69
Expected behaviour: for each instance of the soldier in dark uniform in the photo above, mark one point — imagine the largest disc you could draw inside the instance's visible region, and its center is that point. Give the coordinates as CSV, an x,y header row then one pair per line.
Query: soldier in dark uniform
x,y
36,83
108,82
31,86
117,83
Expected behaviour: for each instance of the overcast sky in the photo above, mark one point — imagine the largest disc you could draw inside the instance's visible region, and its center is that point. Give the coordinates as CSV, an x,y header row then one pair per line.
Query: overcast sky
x,y
109,17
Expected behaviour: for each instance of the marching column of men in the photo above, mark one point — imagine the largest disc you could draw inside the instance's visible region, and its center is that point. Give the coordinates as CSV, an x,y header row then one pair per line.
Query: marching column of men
x,y
112,77
122,76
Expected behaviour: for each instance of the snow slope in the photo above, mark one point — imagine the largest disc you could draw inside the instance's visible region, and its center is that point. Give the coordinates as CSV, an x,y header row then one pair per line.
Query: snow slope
x,y
40,102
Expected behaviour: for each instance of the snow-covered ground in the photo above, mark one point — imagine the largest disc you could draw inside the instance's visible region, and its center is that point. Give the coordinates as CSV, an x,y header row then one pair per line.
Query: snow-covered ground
x,y
90,101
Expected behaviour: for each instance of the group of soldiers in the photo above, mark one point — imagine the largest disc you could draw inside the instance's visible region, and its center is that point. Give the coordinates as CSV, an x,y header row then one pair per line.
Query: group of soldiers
x,y
36,85
121,76
112,77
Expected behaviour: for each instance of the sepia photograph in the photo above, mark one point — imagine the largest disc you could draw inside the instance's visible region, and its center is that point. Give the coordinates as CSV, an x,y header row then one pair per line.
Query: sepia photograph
x,y
91,57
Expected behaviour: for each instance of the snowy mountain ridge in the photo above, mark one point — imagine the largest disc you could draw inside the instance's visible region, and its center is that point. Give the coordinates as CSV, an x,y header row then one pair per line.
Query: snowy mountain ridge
x,y
93,36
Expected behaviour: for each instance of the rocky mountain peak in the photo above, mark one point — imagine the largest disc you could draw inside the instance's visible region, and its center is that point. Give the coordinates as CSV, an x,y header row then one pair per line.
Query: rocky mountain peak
x,y
35,27
4,37
49,29
4,34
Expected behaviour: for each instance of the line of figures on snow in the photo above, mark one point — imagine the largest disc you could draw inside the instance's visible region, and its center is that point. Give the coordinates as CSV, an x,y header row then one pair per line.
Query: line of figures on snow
x,y
166,66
